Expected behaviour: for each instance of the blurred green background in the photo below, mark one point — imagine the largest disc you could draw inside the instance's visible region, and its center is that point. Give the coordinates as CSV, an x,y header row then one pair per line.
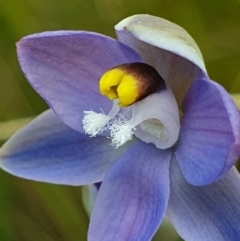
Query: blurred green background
x,y
36,211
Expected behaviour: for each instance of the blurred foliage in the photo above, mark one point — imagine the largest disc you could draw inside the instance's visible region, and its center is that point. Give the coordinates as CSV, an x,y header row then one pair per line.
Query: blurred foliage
x,y
36,211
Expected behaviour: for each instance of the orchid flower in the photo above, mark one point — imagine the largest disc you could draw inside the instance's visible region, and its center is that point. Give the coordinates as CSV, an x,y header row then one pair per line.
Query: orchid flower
x,y
140,115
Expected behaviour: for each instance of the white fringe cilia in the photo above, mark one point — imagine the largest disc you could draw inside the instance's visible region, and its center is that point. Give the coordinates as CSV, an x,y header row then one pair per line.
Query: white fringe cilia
x,y
154,119
94,123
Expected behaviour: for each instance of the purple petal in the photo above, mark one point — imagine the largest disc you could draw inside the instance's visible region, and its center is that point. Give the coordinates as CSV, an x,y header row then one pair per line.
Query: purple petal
x,y
64,68
210,133
165,46
209,213
48,150
133,196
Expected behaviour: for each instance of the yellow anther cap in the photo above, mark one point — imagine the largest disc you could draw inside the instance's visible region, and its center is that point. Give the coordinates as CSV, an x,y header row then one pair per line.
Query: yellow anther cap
x,y
130,83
